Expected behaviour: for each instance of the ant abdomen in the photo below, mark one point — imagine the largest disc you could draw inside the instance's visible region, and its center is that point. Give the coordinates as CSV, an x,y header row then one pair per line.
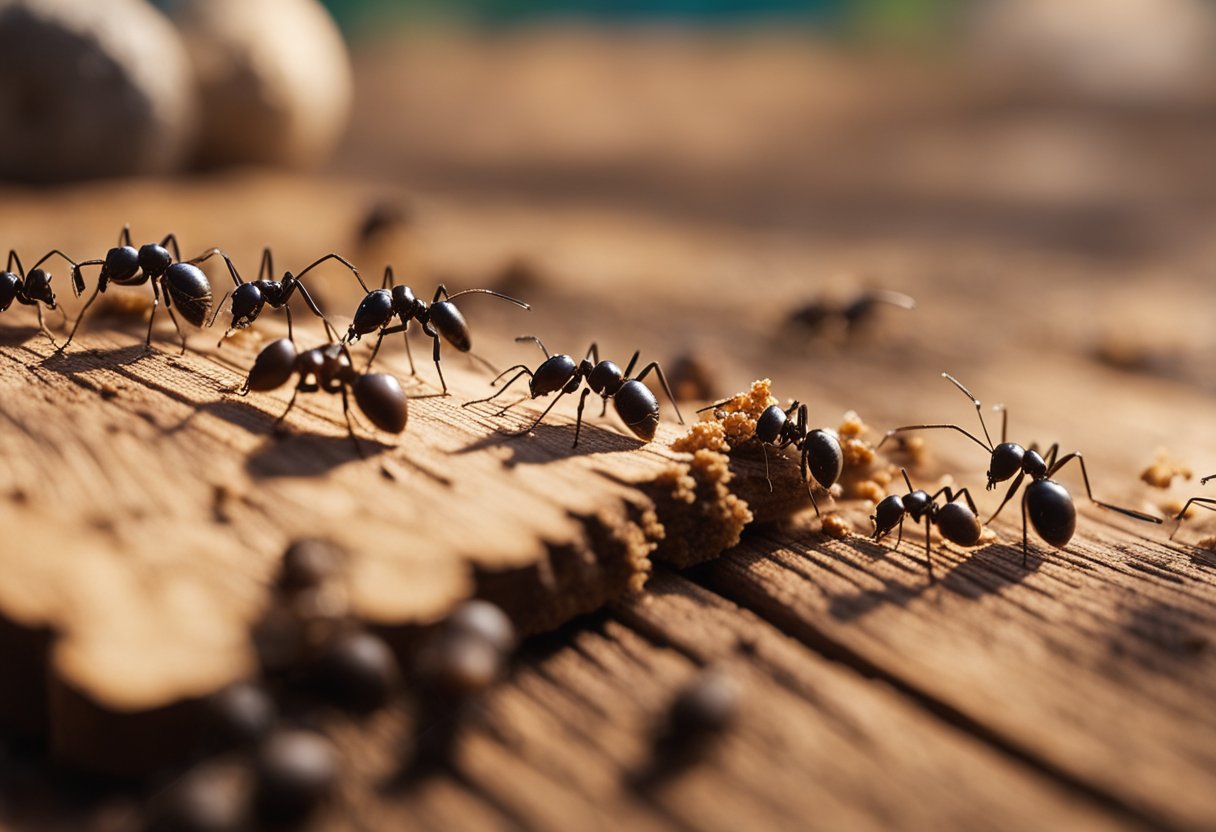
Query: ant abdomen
x,y
824,456
189,288
958,524
449,322
638,409
383,402
1051,511
273,366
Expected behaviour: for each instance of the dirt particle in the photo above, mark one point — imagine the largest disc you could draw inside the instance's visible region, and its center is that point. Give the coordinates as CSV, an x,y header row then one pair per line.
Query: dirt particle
x,y
1161,473
837,527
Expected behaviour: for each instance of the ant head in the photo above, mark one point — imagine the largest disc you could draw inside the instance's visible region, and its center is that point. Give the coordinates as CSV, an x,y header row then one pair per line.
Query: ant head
x,y
38,286
154,259
917,503
1005,462
122,262
1034,465
887,514
247,302
770,423
605,378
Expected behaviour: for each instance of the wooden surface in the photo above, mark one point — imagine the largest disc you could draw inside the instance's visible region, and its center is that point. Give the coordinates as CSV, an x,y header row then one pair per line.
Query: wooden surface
x,y
1070,694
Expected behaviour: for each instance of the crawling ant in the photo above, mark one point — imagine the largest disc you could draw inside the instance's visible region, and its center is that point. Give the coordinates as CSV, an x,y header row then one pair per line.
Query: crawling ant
x,y
634,403
329,369
1048,503
1204,502
184,283
250,298
31,288
818,450
438,318
854,314
956,522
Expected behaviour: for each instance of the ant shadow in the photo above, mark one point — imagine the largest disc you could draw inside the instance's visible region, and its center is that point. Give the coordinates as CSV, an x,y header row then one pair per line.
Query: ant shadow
x,y
74,363
307,455
547,443
15,336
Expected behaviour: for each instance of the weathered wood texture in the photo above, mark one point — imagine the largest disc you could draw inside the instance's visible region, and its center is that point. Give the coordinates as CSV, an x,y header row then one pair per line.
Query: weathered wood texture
x,y
1070,694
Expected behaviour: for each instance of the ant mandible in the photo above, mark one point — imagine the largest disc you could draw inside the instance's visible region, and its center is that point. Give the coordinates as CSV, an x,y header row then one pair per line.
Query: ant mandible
x,y
250,298
1049,505
329,369
818,450
956,522
438,318
634,403
31,288
1204,502
182,281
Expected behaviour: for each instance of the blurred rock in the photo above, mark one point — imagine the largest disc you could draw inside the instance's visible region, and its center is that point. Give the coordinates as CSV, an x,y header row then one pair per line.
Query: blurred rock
x,y
1113,51
90,89
274,79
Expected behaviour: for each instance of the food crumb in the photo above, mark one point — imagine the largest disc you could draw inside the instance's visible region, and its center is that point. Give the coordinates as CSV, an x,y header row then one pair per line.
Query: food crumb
x,y
837,527
851,426
703,436
856,452
1161,473
1207,543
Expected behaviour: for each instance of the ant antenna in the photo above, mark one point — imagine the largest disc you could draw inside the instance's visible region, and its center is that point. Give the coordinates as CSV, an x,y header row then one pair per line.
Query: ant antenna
x,y
978,407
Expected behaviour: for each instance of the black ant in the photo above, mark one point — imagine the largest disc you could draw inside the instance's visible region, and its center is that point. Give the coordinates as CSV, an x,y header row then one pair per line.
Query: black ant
x,y
439,317
634,403
30,289
183,282
1204,502
818,450
329,369
956,522
250,298
852,315
1048,503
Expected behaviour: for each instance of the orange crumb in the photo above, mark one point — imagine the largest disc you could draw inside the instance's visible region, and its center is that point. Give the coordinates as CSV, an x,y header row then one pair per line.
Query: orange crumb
x,y
851,426
703,436
1161,473
856,452
837,527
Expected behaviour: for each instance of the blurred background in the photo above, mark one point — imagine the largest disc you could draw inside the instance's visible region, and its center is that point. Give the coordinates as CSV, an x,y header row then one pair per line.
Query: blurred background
x,y
1037,175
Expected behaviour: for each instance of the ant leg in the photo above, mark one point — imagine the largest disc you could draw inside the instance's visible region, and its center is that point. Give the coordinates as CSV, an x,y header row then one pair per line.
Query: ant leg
x,y
519,339
475,357
266,269
963,431
593,354
1009,496
405,336
80,316
168,307
578,422
541,417
522,372
633,360
906,480
207,255
389,278
172,239
928,549
290,333
312,307
124,236
805,468
1052,453
42,260
1202,502
1136,515
350,427
966,494
290,405
767,478
152,317
662,380
435,357
375,350
341,260
42,326
12,255
899,537
1025,545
